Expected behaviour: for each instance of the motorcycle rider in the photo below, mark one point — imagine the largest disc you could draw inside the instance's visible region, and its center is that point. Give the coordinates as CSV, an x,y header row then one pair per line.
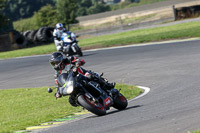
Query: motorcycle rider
x,y
58,62
57,34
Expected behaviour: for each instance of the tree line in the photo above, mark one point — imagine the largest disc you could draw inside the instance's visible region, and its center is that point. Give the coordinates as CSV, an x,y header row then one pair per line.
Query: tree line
x,y
19,9
49,12
3,19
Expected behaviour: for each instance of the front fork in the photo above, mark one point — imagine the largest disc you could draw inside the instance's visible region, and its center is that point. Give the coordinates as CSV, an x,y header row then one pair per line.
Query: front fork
x,y
66,49
74,47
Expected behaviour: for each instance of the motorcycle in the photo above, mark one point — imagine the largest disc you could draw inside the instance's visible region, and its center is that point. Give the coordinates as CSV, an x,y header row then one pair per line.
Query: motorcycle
x,y
70,45
89,94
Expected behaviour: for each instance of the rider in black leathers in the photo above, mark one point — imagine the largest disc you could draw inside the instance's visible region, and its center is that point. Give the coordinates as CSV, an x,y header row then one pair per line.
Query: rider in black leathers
x,y
58,62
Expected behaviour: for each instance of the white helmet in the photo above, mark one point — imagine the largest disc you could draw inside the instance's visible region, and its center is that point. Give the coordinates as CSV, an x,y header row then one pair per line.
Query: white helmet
x,y
59,26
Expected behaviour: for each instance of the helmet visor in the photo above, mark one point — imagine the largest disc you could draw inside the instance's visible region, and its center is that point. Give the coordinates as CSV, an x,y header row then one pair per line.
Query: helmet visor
x,y
60,28
56,62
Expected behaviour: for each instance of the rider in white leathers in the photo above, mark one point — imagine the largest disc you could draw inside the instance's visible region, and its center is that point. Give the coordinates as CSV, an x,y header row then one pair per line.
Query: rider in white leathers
x,y
57,34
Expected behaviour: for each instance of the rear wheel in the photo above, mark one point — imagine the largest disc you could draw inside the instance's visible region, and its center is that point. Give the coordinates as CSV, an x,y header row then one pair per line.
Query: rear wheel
x,y
91,106
120,102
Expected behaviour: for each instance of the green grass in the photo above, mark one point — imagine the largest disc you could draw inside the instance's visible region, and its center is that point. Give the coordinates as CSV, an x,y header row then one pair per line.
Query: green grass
x,y
195,132
185,30
20,108
146,35
44,49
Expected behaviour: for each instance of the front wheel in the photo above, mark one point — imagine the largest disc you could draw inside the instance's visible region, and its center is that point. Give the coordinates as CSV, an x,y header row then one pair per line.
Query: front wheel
x,y
79,52
120,102
91,106
67,50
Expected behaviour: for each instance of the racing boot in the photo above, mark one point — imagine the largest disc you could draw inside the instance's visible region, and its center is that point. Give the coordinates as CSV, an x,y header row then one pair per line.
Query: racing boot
x,y
109,86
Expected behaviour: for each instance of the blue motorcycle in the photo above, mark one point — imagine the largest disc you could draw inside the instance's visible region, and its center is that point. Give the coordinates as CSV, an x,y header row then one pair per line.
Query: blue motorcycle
x,y
70,45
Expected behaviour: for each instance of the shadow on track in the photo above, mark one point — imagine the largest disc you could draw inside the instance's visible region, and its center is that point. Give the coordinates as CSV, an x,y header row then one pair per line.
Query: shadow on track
x,y
89,54
115,111
132,107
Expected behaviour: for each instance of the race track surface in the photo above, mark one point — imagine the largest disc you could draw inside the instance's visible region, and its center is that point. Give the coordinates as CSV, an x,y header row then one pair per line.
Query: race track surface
x,y
170,70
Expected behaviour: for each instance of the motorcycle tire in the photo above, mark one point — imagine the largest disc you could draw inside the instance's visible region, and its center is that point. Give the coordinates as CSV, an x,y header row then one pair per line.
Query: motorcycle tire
x,y
19,39
87,104
79,52
120,102
31,36
25,34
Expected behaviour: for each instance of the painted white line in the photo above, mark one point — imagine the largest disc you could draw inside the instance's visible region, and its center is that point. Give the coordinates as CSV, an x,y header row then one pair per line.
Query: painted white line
x,y
146,90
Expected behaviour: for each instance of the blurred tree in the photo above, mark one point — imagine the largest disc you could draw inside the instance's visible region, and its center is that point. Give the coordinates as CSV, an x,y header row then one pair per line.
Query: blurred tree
x,y
82,11
66,10
3,19
94,2
18,9
98,7
2,4
46,16
87,7
83,6
86,3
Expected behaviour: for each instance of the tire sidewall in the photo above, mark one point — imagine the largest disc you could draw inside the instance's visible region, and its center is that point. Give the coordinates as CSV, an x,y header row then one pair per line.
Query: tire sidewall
x,y
120,102
84,103
78,50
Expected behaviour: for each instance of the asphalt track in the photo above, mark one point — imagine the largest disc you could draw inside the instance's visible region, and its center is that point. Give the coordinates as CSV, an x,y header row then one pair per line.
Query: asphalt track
x,y
171,70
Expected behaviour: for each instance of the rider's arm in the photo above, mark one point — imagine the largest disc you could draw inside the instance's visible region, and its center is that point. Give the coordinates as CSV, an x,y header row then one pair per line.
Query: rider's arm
x,y
74,60
55,36
57,40
57,73
79,62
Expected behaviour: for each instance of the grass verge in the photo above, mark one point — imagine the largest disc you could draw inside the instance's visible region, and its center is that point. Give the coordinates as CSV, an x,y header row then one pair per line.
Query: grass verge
x,y
21,108
185,30
195,132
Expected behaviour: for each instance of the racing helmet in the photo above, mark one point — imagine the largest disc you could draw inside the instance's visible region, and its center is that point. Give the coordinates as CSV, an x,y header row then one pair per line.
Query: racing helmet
x,y
55,60
59,26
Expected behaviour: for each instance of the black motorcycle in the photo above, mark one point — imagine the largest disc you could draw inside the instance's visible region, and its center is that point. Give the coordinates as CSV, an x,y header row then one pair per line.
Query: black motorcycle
x,y
89,94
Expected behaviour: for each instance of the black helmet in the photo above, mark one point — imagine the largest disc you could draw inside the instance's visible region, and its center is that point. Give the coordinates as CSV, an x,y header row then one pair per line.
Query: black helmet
x,y
56,60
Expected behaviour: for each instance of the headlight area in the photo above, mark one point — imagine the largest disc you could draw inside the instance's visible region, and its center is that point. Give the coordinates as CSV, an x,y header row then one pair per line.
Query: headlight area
x,y
68,88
